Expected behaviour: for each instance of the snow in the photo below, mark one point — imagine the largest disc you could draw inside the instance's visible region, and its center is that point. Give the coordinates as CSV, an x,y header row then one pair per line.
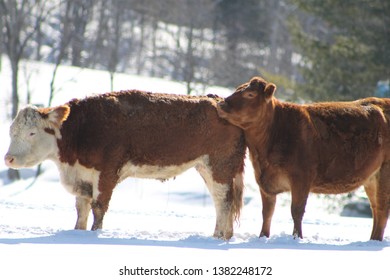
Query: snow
x,y
152,225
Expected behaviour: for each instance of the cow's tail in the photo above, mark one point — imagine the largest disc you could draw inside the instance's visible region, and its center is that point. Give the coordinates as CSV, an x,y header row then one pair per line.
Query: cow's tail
x,y
238,191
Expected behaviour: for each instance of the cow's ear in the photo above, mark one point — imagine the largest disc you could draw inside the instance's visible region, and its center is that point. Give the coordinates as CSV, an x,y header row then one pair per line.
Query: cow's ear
x,y
58,115
257,84
269,91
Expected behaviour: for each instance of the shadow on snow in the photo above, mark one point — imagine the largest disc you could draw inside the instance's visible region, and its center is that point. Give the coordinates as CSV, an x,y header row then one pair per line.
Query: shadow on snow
x,y
195,241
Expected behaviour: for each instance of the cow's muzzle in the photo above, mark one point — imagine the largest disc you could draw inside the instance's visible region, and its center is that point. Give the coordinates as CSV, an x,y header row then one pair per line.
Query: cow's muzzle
x,y
9,160
223,109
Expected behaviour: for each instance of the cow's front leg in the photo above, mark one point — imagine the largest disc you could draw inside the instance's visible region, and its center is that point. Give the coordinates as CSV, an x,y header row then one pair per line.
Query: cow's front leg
x,y
269,201
101,200
298,205
83,206
99,209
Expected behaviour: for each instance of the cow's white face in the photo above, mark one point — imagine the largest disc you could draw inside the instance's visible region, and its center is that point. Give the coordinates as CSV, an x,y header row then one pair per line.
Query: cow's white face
x,y
33,136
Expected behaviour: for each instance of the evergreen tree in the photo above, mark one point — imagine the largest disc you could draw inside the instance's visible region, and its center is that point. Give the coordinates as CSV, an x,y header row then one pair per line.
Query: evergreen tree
x,y
347,51
242,23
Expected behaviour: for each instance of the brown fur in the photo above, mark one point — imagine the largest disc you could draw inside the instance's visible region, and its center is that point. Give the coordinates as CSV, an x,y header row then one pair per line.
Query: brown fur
x,y
331,148
107,131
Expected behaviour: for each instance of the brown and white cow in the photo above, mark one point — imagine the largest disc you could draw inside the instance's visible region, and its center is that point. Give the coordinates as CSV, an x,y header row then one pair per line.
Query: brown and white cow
x,y
329,148
98,141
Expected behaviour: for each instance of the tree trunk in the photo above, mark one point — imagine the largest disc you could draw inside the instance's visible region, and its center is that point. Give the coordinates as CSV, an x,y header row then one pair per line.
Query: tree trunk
x,y
112,73
189,66
15,94
154,47
140,58
13,174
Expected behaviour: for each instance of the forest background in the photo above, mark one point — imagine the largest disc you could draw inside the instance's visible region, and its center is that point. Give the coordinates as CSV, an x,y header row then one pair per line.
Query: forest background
x,y
312,49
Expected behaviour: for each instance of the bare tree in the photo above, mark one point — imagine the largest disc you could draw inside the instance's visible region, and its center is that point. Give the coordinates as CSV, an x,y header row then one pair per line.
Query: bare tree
x,y
116,19
98,49
140,64
21,20
60,47
1,42
81,12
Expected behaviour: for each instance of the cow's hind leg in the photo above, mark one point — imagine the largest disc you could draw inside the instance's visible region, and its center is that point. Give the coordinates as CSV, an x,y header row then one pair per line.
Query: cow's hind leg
x,y
382,197
223,199
269,201
83,206
370,188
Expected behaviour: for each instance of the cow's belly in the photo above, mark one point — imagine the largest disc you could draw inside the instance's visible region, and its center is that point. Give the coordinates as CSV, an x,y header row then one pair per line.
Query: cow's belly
x,y
336,188
344,177
342,185
158,171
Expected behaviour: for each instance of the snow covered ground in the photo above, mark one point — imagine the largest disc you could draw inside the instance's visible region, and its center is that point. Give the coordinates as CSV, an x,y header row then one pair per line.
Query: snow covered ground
x,y
153,225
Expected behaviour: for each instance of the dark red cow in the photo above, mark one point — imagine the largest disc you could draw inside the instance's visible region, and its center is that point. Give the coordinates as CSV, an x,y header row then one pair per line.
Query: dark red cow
x,y
329,148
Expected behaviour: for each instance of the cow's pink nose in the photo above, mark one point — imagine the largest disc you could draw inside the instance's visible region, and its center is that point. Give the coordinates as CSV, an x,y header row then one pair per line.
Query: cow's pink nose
x,y
9,160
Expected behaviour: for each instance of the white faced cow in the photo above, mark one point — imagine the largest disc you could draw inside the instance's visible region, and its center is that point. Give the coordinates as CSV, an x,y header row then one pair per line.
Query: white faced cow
x,y
99,141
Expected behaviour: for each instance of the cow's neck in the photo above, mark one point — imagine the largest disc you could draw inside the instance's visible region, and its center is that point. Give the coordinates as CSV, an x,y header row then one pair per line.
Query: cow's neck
x,y
259,136
257,149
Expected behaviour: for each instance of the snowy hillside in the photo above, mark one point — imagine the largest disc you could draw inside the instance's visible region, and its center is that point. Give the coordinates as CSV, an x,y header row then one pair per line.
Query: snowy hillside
x,y
153,225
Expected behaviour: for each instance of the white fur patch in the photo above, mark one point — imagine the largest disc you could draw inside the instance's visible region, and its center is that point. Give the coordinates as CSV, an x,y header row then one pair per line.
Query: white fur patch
x,y
72,175
217,190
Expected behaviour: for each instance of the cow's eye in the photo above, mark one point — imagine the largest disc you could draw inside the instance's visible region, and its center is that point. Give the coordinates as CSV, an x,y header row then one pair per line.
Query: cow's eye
x,y
32,134
249,94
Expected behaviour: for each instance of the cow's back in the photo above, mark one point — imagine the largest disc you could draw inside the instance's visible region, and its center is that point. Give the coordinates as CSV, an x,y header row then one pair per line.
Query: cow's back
x,y
146,129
